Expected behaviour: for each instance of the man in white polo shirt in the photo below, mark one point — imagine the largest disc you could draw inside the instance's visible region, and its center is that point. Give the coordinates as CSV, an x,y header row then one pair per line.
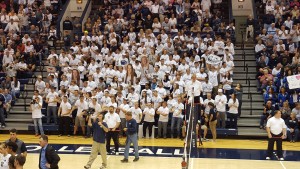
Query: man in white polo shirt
x,y
113,121
276,129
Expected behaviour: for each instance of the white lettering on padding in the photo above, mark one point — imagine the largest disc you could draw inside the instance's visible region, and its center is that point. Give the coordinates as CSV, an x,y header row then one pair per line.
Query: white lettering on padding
x,y
83,149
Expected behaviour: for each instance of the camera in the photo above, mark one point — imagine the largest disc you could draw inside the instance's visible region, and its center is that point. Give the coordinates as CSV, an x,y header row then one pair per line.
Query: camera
x,y
89,112
33,101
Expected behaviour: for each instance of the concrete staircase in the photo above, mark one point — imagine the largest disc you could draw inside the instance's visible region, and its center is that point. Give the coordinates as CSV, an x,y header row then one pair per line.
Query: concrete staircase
x,y
248,123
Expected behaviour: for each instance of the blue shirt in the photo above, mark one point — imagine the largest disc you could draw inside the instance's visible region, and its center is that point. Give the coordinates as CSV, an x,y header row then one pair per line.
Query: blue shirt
x,y
131,126
43,158
98,132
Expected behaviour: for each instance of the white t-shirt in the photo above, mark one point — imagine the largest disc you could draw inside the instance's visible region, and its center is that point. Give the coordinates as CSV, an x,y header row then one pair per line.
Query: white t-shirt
x,y
276,125
81,106
164,114
40,86
233,107
136,114
65,107
126,107
220,102
4,161
149,114
112,119
51,96
36,111
178,107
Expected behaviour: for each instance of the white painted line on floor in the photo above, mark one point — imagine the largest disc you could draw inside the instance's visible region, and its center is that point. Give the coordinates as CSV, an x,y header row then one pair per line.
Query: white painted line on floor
x,y
282,165
192,165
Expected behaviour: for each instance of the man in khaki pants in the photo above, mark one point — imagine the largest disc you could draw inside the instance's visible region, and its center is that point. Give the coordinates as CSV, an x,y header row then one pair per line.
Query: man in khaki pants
x,y
99,132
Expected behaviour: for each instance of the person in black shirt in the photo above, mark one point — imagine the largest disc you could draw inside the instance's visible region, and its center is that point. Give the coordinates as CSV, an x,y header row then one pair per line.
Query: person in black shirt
x,y
268,112
67,24
292,128
202,123
100,129
2,102
213,120
31,62
132,137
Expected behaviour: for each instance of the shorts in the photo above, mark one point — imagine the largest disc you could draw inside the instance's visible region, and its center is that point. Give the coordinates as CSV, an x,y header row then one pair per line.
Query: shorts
x,y
203,127
79,121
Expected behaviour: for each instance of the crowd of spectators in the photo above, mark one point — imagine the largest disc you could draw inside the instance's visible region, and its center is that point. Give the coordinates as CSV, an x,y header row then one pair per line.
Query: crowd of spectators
x,y
24,32
277,56
133,56
141,56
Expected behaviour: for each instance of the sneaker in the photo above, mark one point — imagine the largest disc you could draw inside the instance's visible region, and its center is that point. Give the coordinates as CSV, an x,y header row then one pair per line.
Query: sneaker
x,y
69,135
124,160
86,167
117,153
205,139
60,135
136,159
102,167
3,126
281,159
268,158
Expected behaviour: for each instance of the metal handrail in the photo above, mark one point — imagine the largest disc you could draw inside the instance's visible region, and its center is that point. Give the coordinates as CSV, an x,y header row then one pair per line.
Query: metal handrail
x,y
250,102
249,83
244,57
247,69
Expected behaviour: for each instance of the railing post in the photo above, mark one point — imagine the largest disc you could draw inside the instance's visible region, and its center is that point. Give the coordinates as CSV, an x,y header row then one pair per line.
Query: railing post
x,y
251,104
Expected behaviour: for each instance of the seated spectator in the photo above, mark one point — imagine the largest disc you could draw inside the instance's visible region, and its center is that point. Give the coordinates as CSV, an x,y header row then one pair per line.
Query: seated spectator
x,y
292,128
15,88
267,113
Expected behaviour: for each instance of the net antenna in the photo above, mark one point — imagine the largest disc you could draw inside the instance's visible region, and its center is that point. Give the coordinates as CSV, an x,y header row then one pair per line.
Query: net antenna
x,y
189,136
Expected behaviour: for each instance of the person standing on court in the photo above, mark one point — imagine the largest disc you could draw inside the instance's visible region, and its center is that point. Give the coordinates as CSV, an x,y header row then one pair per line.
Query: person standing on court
x,y
64,114
36,109
213,114
132,137
220,102
48,156
113,121
99,132
163,112
21,145
276,129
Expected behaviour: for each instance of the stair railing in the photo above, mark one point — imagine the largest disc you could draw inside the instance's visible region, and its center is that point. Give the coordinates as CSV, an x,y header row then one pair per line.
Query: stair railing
x,y
250,94
247,69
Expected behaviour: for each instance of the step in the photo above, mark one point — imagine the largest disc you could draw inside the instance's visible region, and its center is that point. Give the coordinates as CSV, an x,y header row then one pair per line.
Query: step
x,y
16,125
255,97
247,52
243,76
247,107
241,63
241,69
255,116
251,131
20,112
248,122
254,105
20,120
255,112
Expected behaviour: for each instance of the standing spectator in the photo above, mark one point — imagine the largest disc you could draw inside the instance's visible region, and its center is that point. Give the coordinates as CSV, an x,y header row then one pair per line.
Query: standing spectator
x,y
292,128
21,145
48,156
100,129
276,129
136,113
113,122
238,91
163,113
2,103
64,114
233,105
176,118
148,113
36,108
81,105
132,137
220,102
67,25
52,99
